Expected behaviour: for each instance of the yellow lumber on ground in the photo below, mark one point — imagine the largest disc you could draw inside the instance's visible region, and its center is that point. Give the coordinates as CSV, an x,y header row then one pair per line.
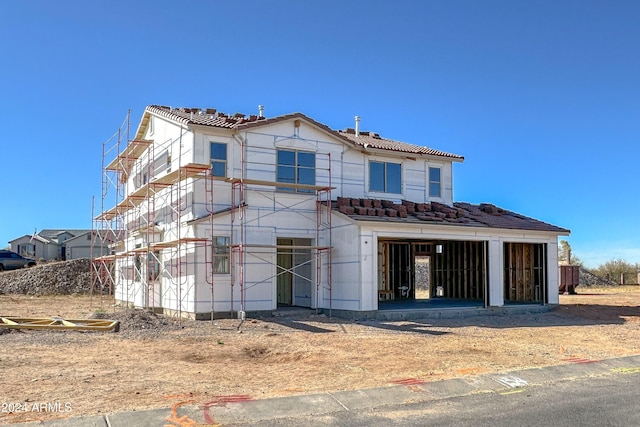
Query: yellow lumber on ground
x,y
53,323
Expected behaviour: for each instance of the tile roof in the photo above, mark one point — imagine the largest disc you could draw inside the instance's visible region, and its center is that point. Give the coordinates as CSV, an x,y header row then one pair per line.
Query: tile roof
x,y
460,214
205,117
53,233
373,140
214,118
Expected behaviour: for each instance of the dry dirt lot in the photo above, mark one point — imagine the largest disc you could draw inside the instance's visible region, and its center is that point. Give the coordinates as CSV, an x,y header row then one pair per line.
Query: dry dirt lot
x,y
153,362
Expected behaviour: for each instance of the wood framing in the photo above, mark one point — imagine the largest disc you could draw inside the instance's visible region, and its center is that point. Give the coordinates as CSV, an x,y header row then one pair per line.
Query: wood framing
x,y
524,272
461,269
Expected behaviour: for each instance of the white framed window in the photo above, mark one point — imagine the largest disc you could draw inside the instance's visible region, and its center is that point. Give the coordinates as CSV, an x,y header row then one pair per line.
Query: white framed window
x,y
218,159
296,167
221,255
385,177
435,182
27,250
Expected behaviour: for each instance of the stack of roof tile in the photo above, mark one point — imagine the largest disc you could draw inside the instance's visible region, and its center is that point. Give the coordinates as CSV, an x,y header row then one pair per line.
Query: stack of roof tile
x,y
483,215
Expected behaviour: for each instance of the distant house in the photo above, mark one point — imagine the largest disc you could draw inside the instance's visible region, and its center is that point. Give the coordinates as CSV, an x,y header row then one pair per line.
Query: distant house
x,y
50,245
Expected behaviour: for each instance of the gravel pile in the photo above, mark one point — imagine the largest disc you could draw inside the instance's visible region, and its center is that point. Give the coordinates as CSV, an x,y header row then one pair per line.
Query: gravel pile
x,y
139,323
63,278
587,278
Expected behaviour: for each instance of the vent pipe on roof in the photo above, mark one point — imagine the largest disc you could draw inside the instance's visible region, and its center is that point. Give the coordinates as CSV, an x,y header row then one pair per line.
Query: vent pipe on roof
x,y
260,110
357,126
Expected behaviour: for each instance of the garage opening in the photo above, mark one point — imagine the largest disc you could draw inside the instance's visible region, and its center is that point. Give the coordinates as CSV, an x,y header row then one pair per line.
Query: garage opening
x,y
434,270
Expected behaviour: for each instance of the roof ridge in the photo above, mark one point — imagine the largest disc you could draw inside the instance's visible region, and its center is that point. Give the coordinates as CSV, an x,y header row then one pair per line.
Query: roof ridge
x,y
214,118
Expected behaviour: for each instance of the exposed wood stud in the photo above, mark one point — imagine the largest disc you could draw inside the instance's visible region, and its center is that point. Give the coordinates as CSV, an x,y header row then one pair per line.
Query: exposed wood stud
x,y
524,272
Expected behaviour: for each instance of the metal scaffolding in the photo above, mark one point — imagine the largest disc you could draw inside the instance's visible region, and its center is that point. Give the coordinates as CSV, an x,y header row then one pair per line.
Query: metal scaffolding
x,y
112,191
241,244
152,262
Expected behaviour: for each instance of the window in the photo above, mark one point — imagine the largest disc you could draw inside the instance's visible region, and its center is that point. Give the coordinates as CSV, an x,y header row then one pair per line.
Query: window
x,y
218,159
27,249
220,255
385,177
296,167
434,182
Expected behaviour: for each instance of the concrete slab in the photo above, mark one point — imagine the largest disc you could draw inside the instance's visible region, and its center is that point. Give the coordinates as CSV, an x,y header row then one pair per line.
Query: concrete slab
x,y
482,383
88,421
149,418
629,362
263,409
539,375
449,388
376,397
573,370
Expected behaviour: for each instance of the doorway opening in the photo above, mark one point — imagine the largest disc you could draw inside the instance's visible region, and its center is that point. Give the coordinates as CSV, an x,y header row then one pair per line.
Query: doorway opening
x,y
294,278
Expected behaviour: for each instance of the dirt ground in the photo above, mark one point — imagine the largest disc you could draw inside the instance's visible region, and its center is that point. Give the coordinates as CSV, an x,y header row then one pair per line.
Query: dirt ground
x,y
154,362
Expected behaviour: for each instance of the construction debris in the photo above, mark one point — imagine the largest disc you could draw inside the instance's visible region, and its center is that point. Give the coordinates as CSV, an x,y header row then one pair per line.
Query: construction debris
x,y
137,323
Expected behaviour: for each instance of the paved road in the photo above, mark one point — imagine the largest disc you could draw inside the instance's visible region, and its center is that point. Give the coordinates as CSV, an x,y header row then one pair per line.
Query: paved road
x,y
600,401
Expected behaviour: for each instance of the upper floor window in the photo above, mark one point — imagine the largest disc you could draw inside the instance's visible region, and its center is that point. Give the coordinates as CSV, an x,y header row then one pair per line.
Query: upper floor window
x,y
435,183
385,177
296,167
218,159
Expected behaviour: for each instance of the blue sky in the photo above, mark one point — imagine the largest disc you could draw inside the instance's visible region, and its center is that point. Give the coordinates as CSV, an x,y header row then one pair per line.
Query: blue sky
x,y
541,97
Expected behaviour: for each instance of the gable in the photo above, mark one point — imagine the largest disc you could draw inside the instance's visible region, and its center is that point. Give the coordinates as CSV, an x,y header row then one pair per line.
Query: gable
x,y
27,238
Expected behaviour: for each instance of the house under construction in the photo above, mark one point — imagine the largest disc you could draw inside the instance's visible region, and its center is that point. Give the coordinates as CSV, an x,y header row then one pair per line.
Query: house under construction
x,y
221,214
